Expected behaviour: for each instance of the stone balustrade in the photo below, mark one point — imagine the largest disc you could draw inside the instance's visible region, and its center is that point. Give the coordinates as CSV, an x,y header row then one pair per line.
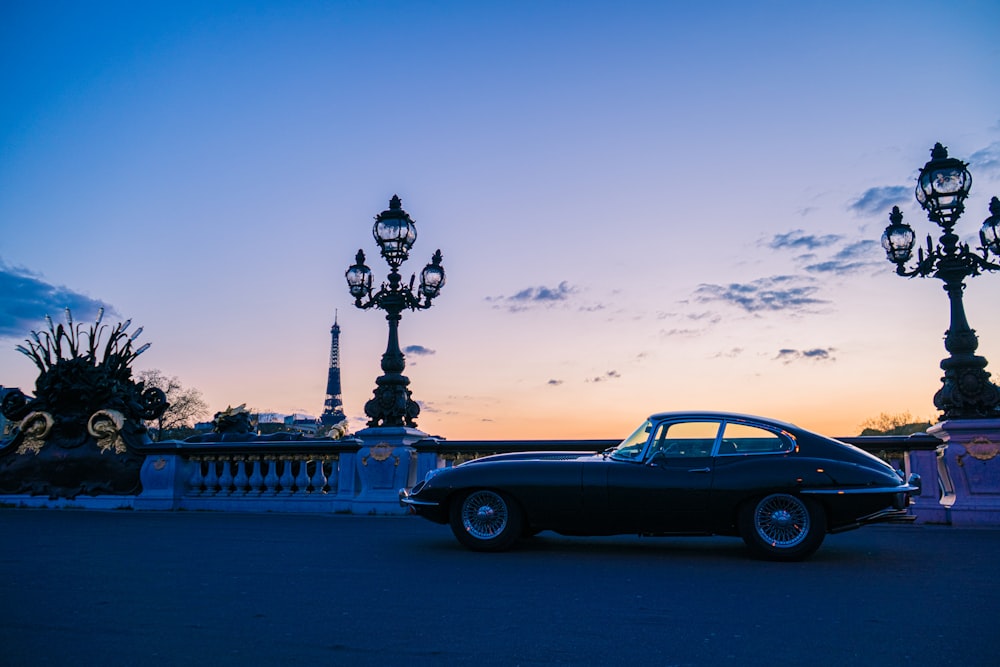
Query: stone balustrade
x,y
302,475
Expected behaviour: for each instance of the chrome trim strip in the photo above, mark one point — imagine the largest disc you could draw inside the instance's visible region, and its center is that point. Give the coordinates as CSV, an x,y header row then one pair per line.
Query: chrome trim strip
x,y
406,499
908,488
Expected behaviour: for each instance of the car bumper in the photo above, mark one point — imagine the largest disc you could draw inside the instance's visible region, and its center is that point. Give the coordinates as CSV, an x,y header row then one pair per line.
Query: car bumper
x,y
406,499
898,497
428,509
888,515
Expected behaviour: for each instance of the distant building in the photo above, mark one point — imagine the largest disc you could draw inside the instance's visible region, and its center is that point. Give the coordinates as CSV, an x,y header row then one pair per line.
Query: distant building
x,y
302,423
270,418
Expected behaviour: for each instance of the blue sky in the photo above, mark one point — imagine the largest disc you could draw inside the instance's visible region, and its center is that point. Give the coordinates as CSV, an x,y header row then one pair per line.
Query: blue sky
x,y
642,206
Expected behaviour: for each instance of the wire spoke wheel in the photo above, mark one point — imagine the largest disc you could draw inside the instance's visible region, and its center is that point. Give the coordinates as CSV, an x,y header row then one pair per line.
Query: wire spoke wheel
x,y
486,520
781,520
782,526
484,515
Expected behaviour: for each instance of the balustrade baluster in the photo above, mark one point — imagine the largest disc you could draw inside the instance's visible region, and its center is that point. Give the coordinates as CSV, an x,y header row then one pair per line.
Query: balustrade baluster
x,y
271,478
256,478
286,480
240,481
302,479
211,476
197,480
226,478
318,480
333,476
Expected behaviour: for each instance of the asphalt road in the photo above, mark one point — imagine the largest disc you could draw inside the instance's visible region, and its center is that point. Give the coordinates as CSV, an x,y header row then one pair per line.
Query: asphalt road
x,y
183,588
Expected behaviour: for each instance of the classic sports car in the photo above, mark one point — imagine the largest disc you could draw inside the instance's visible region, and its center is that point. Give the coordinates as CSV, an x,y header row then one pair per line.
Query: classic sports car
x,y
781,488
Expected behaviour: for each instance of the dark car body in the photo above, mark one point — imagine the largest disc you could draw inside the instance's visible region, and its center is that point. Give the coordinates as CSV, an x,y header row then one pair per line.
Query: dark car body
x,y
780,487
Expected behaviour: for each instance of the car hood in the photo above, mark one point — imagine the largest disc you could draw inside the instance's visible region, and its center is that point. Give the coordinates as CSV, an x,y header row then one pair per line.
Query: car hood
x,y
531,456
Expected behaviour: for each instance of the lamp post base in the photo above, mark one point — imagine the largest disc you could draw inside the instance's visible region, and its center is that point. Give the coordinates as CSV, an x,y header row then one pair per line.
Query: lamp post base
x,y
392,404
967,392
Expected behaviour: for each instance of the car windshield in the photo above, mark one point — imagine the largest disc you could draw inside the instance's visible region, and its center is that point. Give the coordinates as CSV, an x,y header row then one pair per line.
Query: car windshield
x,y
631,447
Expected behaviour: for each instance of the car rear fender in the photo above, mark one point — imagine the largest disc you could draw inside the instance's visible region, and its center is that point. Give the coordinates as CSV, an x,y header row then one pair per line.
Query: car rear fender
x,y
848,475
742,479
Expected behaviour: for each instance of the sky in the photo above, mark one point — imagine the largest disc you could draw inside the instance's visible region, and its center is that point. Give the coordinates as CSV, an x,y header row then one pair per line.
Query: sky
x,y
641,206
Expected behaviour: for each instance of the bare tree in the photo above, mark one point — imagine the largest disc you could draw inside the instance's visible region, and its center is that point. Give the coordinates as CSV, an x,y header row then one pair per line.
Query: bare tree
x,y
186,405
898,424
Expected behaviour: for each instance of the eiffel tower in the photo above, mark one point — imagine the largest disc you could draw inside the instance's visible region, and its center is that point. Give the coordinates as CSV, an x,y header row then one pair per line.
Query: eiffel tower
x,y
333,407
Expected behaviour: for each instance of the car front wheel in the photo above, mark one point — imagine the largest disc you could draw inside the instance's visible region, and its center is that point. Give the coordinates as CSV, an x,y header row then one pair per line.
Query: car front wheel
x,y
782,527
486,520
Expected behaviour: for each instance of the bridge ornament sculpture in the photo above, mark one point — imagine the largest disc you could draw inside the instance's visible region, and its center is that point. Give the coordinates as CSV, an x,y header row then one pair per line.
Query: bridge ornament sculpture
x,y
79,433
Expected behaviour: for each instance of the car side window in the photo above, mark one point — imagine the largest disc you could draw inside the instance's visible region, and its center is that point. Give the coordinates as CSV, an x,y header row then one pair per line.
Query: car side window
x,y
685,439
740,439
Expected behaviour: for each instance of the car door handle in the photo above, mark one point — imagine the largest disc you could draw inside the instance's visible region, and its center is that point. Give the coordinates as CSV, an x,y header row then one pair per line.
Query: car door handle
x,y
700,470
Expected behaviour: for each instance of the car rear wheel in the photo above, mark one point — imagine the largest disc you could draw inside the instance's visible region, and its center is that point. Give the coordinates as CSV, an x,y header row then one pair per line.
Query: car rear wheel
x,y
782,526
486,520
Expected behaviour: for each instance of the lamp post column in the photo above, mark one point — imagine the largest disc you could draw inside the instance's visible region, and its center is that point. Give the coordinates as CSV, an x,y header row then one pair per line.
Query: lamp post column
x,y
943,185
969,402
395,232
966,387
392,404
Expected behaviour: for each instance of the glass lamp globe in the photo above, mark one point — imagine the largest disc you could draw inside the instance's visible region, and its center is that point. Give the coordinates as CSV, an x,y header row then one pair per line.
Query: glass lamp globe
x,y
898,238
359,277
395,233
989,233
942,186
432,278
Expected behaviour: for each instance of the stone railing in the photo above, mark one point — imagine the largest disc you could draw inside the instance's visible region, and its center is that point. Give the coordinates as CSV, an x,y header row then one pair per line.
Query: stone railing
x,y
303,475
362,474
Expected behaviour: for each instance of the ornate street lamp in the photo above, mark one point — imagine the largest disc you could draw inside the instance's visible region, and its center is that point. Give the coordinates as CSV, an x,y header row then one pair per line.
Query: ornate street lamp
x,y
395,233
942,186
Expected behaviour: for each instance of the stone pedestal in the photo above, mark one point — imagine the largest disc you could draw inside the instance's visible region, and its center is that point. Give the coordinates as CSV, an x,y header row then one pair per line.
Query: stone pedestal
x,y
163,477
385,463
936,495
973,468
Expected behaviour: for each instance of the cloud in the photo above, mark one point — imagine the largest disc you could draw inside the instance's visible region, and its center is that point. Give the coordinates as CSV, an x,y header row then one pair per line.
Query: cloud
x,y
778,293
986,159
876,200
610,375
559,293
799,240
418,350
697,323
427,407
534,296
26,298
818,354
681,333
729,354
851,258
554,383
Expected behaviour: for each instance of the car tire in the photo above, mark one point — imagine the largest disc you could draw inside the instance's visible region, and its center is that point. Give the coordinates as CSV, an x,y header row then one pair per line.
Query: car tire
x,y
782,526
486,520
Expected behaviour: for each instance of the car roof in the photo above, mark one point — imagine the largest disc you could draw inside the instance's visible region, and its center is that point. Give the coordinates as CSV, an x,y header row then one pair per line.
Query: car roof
x,y
716,414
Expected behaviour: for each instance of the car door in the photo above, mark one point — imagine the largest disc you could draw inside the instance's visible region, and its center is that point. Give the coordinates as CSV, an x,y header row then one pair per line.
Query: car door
x,y
668,490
